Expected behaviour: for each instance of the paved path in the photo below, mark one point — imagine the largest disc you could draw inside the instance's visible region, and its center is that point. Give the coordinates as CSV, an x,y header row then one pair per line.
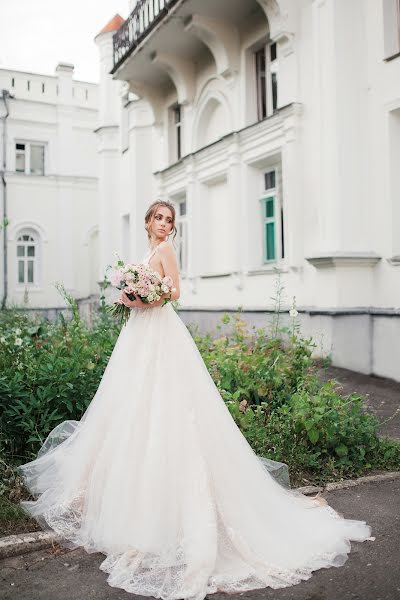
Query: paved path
x,y
370,573
383,395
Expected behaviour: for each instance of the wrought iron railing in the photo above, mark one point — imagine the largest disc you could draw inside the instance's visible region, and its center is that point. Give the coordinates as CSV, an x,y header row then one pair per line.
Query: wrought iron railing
x,y
143,18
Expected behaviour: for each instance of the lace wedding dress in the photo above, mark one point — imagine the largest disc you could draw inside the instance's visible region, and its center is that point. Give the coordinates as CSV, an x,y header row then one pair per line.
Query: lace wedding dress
x,y
157,476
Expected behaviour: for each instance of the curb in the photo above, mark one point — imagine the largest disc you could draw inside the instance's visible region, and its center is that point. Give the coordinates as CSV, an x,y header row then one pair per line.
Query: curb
x,y
14,545
347,483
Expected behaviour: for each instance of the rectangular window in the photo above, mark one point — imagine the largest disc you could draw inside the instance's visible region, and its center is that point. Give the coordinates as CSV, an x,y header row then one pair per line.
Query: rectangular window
x,y
182,241
20,158
26,257
178,130
272,220
266,60
269,229
29,158
391,28
261,84
37,159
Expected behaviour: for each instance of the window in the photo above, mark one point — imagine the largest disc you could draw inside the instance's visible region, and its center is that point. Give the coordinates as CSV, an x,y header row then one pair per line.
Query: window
x,y
181,225
391,27
43,88
28,85
178,130
29,158
266,64
261,85
20,158
13,82
27,258
272,220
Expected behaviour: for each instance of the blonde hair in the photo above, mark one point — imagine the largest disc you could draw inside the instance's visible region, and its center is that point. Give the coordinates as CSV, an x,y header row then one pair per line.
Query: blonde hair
x,y
151,211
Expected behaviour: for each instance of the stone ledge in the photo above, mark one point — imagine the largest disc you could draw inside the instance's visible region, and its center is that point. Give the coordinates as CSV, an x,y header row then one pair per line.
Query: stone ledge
x,y
344,259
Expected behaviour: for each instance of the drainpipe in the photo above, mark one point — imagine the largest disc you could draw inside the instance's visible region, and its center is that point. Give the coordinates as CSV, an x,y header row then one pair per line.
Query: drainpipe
x,y
4,96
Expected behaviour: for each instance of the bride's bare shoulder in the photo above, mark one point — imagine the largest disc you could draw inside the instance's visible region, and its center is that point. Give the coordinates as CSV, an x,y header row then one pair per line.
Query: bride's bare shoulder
x,y
166,249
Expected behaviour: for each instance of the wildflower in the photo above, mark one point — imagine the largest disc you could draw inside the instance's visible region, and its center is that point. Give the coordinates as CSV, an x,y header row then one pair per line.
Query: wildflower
x,y
18,341
17,331
293,313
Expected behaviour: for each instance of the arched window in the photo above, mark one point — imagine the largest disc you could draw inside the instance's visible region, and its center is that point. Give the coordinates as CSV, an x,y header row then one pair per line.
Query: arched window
x,y
27,258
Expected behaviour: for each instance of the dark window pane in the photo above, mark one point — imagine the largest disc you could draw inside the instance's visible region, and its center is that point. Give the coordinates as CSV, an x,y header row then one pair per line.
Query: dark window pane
x,y
282,235
20,250
261,86
30,271
269,180
178,142
182,208
269,208
270,240
20,146
274,83
273,51
26,238
31,250
177,114
20,271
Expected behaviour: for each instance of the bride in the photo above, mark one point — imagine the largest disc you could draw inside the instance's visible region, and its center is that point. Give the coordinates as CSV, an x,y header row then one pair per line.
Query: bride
x,y
157,476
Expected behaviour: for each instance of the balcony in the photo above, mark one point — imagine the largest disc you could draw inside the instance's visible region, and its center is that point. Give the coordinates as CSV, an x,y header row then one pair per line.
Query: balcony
x,y
141,21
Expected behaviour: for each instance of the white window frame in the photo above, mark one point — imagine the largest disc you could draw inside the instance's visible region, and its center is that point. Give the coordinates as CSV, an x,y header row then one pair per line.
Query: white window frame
x,y
27,153
182,236
271,69
176,132
34,242
273,193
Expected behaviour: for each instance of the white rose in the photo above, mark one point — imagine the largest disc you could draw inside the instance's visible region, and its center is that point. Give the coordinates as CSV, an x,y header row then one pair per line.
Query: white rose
x,y
18,341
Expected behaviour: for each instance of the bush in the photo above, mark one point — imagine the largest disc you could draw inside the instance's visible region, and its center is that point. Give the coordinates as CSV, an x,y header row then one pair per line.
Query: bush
x,y
49,372
273,391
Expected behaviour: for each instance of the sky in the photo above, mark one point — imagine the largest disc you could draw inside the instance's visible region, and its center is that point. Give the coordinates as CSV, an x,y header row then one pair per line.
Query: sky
x,y
35,35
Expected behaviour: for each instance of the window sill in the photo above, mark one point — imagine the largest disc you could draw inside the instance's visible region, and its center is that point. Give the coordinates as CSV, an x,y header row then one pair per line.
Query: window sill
x,y
28,288
394,261
213,275
267,269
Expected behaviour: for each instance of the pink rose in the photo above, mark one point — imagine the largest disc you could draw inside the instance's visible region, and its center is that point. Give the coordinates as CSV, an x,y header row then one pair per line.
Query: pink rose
x,y
116,277
167,280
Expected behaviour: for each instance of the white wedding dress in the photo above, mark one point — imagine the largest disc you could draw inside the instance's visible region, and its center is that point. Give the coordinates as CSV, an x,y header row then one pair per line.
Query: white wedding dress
x,y
157,476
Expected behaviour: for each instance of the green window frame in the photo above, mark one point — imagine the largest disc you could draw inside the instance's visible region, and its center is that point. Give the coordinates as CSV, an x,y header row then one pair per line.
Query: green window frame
x,y
269,207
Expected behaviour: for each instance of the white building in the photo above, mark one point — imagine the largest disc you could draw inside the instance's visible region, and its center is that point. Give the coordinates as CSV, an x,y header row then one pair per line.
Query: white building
x,y
274,126
49,192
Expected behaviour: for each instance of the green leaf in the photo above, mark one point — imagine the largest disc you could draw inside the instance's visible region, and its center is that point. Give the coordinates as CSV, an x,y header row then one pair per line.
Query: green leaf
x,y
341,450
313,436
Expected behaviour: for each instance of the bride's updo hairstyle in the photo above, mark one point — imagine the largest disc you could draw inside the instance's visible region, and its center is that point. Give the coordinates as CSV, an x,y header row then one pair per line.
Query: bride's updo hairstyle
x,y
150,214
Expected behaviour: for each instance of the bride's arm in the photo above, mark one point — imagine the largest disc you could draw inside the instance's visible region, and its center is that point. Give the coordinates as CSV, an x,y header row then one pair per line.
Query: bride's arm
x,y
170,266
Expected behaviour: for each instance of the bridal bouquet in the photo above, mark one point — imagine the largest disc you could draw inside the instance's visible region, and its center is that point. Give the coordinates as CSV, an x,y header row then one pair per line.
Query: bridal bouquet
x,y
138,281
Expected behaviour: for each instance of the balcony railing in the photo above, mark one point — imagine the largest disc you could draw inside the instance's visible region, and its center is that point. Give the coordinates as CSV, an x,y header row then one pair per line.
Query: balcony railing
x,y
143,18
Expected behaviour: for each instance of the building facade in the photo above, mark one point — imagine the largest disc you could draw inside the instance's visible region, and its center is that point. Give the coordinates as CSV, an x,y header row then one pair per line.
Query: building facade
x,y
274,127
49,188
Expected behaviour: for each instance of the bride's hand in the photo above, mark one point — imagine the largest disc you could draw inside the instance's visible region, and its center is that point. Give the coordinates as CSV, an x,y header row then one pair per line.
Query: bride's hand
x,y
137,303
